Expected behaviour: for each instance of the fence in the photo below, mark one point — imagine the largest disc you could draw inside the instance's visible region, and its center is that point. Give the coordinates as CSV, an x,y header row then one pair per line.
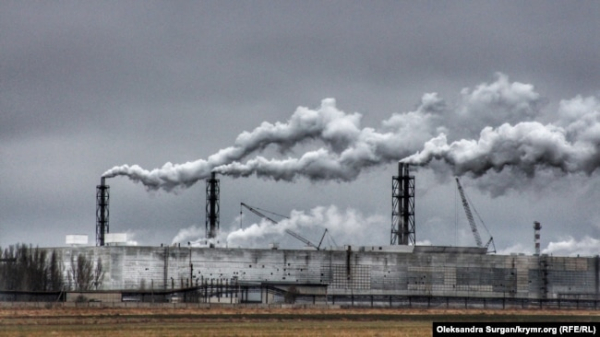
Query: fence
x,y
267,294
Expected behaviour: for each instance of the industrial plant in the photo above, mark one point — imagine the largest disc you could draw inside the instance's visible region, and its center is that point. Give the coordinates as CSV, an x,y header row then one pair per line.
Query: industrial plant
x,y
401,274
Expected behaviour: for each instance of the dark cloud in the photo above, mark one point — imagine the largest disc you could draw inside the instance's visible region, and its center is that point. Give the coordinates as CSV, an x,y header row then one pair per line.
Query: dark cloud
x,y
85,86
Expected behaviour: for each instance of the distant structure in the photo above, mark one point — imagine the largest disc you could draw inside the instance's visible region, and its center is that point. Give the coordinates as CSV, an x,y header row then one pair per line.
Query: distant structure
x,y
399,275
403,207
536,233
212,207
115,239
75,240
102,198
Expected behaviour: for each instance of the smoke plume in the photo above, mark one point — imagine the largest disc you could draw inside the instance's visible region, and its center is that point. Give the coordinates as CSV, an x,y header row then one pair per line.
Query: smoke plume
x,y
569,246
346,149
491,127
191,233
345,226
571,144
565,246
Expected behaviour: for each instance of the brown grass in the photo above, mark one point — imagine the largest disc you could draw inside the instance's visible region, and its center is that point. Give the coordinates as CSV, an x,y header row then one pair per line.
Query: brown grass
x,y
242,321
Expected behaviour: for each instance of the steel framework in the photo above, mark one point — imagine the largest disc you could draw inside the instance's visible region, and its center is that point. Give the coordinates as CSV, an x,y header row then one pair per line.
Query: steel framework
x,y
403,207
102,198
469,214
212,206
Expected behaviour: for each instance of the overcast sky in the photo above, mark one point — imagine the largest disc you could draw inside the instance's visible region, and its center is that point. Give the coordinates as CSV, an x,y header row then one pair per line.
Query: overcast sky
x,y
89,85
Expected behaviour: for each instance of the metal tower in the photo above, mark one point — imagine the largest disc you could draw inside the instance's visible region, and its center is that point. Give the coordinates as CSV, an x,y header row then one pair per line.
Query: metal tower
x,y
403,207
102,198
537,227
212,206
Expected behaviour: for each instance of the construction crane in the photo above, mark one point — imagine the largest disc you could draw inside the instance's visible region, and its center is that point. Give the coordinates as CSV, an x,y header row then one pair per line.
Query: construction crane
x,y
255,211
308,243
471,220
297,236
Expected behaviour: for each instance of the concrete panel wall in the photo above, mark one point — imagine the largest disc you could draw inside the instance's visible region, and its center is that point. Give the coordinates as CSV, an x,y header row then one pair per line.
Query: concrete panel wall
x,y
434,272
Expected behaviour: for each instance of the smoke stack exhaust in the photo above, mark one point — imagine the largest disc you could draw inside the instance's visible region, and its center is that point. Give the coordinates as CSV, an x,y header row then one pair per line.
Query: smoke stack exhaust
x,y
102,198
536,233
212,207
403,207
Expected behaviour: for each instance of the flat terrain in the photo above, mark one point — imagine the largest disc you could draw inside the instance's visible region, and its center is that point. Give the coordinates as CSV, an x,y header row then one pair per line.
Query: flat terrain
x,y
255,321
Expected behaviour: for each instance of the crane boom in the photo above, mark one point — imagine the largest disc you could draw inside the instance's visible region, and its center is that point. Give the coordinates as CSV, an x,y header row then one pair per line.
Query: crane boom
x,y
487,245
322,237
469,214
300,238
294,234
255,211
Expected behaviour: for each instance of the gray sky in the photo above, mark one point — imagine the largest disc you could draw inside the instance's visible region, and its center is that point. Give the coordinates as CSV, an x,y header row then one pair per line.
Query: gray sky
x,y
85,86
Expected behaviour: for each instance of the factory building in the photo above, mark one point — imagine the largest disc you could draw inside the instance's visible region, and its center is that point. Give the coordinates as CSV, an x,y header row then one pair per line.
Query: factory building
x,y
396,275
385,274
381,275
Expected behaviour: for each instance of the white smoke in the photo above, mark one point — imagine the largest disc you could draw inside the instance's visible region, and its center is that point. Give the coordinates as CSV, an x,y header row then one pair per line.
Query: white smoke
x,y
517,248
345,226
346,148
493,104
192,233
130,238
494,126
571,144
569,246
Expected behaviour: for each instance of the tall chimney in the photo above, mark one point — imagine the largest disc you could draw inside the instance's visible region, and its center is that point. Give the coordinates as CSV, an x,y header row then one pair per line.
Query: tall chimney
x,y
102,198
212,206
536,234
403,207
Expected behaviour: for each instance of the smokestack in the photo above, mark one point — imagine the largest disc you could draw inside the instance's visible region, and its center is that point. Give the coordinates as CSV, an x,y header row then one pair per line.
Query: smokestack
x,y
536,233
102,198
403,207
212,207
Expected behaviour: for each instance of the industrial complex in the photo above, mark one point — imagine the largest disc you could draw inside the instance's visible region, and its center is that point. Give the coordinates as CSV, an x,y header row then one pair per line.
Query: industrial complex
x,y
398,274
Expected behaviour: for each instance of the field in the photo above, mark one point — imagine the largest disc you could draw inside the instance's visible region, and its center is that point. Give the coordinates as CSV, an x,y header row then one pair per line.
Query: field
x,y
255,321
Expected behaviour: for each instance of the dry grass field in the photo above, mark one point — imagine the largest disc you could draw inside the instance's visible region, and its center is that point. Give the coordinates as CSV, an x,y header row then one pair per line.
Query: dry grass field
x,y
254,321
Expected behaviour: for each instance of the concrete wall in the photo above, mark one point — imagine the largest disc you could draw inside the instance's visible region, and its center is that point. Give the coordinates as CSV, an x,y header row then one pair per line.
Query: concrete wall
x,y
426,271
